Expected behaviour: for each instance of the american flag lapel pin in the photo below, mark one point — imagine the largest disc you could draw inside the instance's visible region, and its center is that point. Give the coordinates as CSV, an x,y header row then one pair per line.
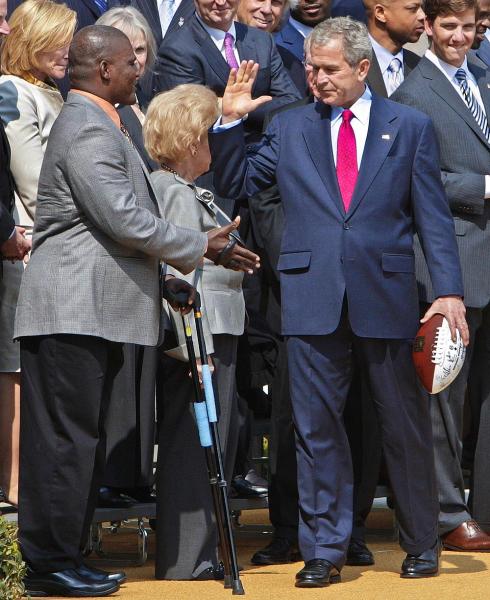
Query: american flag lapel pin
x,y
385,136
181,21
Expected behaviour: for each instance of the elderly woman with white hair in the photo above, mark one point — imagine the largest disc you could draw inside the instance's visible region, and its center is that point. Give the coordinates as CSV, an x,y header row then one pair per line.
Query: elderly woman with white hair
x,y
176,136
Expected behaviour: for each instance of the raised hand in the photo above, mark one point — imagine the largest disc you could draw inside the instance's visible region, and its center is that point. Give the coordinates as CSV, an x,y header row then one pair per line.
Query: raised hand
x,y
237,99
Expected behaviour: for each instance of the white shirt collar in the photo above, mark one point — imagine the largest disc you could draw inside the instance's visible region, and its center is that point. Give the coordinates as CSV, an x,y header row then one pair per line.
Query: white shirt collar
x,y
487,34
301,27
384,56
218,35
361,108
448,70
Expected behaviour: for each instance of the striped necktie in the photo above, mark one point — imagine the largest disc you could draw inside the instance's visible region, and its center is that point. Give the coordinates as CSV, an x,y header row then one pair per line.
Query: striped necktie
x,y
473,104
395,75
101,5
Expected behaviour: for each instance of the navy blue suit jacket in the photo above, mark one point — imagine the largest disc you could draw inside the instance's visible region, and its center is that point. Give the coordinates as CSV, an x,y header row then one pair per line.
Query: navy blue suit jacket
x,y
291,40
348,8
189,55
366,254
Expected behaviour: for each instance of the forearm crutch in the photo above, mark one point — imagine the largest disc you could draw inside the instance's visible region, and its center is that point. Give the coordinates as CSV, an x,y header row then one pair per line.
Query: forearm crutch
x,y
207,423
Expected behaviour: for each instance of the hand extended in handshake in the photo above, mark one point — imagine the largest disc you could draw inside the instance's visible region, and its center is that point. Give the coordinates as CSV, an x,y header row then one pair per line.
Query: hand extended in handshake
x,y
224,250
17,246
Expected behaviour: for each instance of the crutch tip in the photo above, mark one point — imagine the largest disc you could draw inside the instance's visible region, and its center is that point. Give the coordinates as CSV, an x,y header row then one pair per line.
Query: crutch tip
x,y
238,588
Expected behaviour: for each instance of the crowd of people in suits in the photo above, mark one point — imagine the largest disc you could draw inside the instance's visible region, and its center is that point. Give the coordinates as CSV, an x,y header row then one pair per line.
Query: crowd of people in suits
x,y
324,189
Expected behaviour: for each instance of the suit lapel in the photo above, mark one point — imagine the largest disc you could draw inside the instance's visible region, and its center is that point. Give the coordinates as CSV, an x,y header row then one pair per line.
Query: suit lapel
x,y
382,132
246,49
410,61
182,14
317,126
212,54
441,86
375,78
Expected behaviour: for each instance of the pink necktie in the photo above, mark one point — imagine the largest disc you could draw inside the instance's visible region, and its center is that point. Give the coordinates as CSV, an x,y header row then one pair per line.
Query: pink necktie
x,y
230,55
346,159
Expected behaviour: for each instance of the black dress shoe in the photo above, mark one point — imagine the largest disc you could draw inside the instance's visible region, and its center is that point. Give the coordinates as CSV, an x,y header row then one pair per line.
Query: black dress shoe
x,y
279,551
425,564
241,488
143,495
212,573
317,572
113,498
93,574
66,583
358,554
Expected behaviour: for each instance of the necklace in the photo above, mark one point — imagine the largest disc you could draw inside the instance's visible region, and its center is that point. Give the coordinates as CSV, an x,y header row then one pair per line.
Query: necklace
x,y
165,167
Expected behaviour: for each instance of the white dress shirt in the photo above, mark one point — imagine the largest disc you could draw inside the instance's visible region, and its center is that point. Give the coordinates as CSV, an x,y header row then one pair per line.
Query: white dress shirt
x,y
218,37
300,27
384,58
360,124
166,10
450,72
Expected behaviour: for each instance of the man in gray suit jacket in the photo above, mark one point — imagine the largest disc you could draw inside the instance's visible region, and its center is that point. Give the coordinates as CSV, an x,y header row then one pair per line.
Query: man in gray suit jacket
x,y
92,284
456,95
390,26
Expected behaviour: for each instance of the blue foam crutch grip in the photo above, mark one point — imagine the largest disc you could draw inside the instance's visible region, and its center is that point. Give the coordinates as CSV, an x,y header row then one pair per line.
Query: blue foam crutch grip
x,y
209,394
201,413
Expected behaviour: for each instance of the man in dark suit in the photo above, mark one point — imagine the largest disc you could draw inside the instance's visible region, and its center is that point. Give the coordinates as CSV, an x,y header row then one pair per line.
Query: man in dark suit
x,y
481,46
304,16
347,278
455,94
204,50
391,24
268,16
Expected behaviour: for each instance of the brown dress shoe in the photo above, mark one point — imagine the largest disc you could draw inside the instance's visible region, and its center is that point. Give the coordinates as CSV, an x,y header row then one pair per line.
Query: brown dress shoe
x,y
468,537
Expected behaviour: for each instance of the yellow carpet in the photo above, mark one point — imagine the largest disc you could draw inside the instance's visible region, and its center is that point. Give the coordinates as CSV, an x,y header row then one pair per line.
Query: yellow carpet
x,y
462,574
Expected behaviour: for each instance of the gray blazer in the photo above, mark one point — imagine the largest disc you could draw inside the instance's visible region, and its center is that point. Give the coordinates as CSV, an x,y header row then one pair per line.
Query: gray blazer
x,y
98,236
465,160
220,288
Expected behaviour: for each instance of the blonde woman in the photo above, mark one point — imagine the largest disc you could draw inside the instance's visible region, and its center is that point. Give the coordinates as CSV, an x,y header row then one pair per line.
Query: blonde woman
x,y
33,56
176,137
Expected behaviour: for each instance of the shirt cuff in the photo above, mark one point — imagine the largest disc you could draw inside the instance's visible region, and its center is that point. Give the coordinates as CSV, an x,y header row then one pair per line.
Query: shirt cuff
x,y
487,187
12,234
218,126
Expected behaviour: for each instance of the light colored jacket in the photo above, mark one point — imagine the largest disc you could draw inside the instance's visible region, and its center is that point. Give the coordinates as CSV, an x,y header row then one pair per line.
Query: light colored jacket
x,y
98,236
223,306
28,112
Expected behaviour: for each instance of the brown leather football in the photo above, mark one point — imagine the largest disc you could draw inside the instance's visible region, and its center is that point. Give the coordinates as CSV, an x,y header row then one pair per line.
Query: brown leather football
x,y
437,359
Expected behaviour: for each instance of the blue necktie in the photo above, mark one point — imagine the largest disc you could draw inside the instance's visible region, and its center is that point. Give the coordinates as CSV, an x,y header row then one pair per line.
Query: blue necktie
x,y
473,104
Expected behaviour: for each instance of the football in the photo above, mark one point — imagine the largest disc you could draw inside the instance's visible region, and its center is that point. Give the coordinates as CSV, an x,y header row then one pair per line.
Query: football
x,y
437,359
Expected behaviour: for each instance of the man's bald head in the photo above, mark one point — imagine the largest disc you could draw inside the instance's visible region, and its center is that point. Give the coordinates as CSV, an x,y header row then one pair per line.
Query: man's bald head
x,y
90,46
393,23
101,61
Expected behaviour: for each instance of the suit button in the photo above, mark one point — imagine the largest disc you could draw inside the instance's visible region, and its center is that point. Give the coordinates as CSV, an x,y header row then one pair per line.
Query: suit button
x,y
346,226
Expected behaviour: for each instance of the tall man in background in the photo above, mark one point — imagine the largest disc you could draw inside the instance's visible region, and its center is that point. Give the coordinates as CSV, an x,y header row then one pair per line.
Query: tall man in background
x,y
455,94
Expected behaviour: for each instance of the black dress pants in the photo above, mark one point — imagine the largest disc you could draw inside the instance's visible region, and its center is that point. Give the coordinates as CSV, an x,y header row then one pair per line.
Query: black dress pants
x,y
130,422
66,383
